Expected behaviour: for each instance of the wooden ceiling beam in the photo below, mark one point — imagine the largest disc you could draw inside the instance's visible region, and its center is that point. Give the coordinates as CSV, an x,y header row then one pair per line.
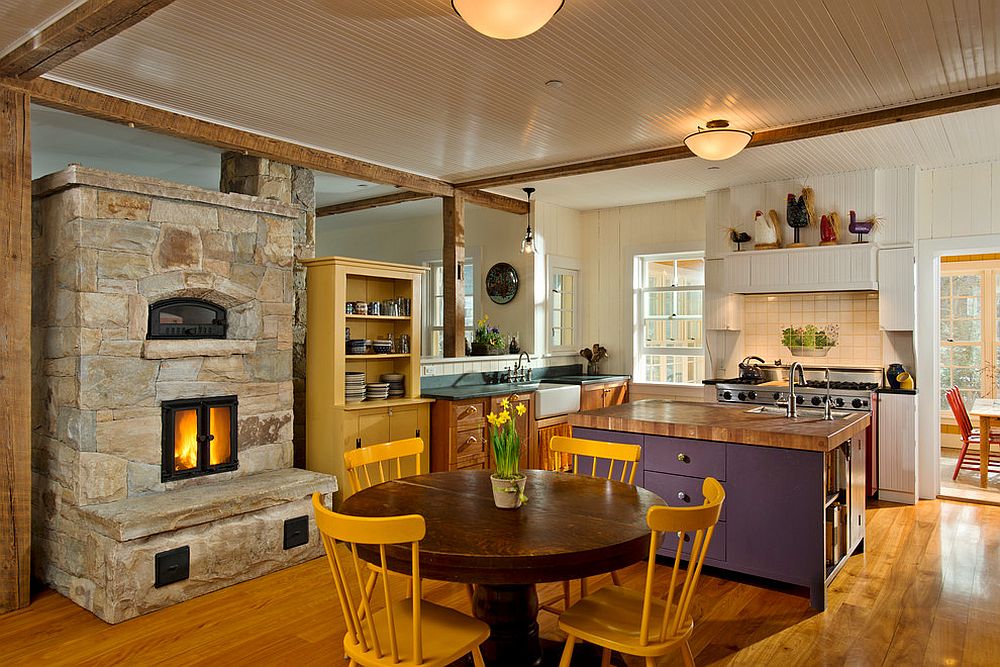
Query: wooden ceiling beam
x,y
73,33
859,121
495,201
371,202
106,107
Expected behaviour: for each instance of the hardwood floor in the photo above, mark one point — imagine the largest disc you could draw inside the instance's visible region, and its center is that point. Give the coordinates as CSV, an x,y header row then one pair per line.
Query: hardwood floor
x,y
926,591
966,486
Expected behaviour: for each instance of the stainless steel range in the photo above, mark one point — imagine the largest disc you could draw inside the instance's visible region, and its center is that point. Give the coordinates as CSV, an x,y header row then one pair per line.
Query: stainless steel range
x,y
850,388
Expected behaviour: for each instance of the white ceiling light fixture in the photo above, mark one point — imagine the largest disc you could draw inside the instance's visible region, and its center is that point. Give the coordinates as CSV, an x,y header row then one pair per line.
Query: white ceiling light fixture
x,y
528,243
506,19
717,141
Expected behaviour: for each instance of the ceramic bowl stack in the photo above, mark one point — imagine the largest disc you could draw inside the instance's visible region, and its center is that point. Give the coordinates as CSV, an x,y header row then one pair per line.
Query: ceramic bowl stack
x,y
354,387
382,346
377,391
358,345
395,380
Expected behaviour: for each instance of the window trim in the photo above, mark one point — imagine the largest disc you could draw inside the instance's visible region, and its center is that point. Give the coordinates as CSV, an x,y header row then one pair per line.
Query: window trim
x,y
427,326
639,348
554,263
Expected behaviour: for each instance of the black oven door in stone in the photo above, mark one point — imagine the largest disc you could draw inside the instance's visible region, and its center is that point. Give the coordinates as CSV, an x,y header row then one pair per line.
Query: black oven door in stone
x,y
186,318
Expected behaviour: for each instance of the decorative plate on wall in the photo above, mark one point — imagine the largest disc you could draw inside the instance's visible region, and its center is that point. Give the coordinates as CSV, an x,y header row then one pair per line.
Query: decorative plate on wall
x,y
501,282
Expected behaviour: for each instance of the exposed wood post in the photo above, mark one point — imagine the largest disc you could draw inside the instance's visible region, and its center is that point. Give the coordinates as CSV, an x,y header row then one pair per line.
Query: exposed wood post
x,y
454,275
15,350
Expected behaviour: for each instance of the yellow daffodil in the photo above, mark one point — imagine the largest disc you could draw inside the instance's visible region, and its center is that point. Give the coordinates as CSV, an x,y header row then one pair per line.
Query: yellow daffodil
x,y
503,418
491,418
520,409
505,404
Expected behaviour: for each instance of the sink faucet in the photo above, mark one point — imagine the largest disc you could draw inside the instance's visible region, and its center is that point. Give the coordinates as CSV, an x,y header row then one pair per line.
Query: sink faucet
x,y
828,406
521,373
792,409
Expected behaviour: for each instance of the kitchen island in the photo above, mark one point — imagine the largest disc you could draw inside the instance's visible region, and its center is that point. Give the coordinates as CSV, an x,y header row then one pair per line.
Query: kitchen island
x,y
795,488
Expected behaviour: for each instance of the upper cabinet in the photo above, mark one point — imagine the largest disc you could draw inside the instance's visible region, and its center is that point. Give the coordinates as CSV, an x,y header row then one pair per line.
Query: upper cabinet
x,y
896,289
839,268
723,310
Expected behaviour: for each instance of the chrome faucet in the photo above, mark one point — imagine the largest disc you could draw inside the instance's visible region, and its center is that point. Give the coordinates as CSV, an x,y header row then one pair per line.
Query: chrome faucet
x,y
828,406
792,409
522,374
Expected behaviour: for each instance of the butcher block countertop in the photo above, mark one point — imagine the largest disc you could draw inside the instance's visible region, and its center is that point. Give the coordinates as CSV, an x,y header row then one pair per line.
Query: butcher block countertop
x,y
723,423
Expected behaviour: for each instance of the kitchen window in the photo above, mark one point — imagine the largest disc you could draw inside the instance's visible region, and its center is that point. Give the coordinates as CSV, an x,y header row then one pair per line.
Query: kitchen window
x,y
434,335
669,327
563,305
970,330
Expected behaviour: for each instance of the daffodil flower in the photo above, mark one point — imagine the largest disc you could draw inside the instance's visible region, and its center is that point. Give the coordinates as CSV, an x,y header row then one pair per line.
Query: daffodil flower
x,y
505,404
520,409
492,418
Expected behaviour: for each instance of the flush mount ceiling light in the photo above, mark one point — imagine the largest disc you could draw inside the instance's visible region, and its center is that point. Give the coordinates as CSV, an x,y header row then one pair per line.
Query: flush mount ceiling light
x,y
717,141
506,19
528,243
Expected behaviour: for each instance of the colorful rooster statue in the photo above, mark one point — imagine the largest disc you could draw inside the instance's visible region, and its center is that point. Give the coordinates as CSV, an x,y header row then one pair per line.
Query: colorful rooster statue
x,y
829,229
767,230
800,212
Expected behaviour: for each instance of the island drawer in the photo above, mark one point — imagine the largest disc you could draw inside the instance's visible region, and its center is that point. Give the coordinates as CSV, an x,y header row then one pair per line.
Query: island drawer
x,y
716,548
470,445
678,490
467,414
692,458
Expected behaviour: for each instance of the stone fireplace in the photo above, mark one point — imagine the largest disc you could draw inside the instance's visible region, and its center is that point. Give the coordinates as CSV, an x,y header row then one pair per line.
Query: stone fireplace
x,y
163,320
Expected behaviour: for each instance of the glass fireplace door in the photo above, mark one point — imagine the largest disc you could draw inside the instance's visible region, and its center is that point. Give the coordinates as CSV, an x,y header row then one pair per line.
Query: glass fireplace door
x,y
199,437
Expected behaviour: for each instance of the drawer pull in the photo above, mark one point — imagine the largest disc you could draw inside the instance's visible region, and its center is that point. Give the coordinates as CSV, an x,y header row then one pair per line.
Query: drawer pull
x,y
683,458
683,496
470,410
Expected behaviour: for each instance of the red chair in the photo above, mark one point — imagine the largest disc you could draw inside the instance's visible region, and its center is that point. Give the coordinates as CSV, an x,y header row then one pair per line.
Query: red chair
x,y
969,436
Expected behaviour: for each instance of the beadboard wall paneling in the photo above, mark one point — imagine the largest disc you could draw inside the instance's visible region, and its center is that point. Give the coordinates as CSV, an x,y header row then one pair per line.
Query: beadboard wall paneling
x,y
959,201
897,445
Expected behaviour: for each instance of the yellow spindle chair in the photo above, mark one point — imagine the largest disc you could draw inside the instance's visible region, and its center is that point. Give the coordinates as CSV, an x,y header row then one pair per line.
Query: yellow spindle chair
x,y
407,631
620,619
367,466
612,453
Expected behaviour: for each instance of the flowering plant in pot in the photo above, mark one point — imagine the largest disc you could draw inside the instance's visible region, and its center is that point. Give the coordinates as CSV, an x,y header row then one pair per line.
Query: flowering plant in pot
x,y
486,339
508,480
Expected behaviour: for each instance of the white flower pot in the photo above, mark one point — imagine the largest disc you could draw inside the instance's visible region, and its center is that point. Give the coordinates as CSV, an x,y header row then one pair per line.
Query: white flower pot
x,y
507,492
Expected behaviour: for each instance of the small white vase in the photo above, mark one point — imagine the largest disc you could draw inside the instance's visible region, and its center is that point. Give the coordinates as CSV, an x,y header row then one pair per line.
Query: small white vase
x,y
507,492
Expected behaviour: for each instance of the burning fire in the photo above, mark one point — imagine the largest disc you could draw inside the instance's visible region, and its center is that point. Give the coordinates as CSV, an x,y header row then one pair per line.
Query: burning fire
x,y
218,426
185,439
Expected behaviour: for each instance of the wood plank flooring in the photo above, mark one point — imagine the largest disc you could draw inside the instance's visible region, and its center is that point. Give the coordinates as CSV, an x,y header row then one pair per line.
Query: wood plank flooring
x,y
927,591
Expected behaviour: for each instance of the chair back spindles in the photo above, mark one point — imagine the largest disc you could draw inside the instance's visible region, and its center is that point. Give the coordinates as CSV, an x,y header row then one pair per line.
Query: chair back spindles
x,y
368,466
611,452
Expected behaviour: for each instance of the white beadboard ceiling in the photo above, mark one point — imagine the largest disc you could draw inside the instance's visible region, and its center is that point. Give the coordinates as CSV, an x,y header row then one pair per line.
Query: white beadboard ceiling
x,y
406,83
19,19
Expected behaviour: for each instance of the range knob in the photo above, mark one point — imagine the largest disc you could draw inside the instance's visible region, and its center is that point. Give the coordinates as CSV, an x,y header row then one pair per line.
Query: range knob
x,y
857,403
727,395
839,402
742,396
777,395
816,400
799,400
752,395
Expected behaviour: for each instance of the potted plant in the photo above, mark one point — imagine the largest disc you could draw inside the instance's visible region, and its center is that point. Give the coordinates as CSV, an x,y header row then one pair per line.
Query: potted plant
x,y
487,340
508,480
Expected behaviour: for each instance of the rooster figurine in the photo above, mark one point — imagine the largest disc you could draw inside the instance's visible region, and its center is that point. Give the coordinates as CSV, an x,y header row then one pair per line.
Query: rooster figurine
x,y
800,212
829,229
767,229
738,237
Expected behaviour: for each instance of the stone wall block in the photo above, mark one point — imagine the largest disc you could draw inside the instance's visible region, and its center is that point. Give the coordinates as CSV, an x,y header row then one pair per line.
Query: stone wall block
x,y
117,286
55,461
65,367
103,310
179,370
161,286
102,478
179,248
248,276
270,366
112,382
274,456
61,306
279,170
237,222
127,236
77,428
245,321
114,205
274,241
121,265
245,247
272,287
143,479
137,439
184,214
224,369
259,429
217,245
138,317
120,348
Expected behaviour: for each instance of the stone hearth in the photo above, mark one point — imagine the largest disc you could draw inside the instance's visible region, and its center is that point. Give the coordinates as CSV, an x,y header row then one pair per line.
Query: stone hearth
x,y
105,247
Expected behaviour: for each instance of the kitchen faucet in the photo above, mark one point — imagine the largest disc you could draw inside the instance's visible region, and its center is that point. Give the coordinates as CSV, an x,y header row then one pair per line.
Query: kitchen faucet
x,y
792,409
522,374
828,406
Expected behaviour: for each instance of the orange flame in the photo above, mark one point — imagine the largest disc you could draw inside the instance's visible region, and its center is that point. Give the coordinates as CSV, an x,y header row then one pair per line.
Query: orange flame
x,y
185,439
218,426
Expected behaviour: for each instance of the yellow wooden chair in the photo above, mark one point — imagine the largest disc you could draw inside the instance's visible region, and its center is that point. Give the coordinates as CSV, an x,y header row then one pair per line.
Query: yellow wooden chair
x,y
620,619
367,466
406,631
612,453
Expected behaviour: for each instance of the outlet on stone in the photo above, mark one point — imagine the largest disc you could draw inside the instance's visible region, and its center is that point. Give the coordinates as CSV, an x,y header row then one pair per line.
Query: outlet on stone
x,y
172,566
296,532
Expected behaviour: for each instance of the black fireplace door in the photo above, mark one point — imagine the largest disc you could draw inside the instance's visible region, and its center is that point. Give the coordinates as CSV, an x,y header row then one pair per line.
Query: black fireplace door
x,y
186,318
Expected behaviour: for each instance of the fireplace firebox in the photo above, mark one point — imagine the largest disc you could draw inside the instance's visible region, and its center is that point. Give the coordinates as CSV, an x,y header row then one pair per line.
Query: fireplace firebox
x,y
186,318
199,437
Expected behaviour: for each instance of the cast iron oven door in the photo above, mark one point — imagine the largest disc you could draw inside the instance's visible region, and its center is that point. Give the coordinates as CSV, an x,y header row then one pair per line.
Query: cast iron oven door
x,y
199,437
186,318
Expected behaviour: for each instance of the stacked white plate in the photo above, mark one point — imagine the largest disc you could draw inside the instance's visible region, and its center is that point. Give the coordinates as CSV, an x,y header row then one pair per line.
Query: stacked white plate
x,y
395,380
377,391
354,387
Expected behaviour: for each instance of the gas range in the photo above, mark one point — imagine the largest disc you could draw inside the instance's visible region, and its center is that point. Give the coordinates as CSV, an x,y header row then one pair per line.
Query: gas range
x,y
851,390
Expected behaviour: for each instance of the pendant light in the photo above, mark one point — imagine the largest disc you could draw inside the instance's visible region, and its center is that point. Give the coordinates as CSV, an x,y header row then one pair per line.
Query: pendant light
x,y
528,243
717,141
506,19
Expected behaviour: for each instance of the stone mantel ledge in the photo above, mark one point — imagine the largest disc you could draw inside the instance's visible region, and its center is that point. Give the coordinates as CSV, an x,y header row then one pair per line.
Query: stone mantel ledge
x,y
75,175
142,516
200,347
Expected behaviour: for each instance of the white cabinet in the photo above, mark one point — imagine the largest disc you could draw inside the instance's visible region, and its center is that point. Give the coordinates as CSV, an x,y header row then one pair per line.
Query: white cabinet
x,y
897,447
840,268
723,310
896,290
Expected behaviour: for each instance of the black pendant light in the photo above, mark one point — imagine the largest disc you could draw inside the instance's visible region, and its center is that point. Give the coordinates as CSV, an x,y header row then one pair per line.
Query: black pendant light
x,y
528,244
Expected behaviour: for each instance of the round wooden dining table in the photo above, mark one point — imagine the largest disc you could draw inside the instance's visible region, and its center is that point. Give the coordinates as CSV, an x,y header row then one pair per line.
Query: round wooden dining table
x,y
572,526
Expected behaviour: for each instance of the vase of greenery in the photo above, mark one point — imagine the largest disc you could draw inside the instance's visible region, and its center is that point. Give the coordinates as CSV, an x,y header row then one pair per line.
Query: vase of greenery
x,y
486,339
507,478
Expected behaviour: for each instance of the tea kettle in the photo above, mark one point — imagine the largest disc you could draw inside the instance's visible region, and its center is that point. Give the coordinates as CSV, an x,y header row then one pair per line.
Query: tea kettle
x,y
751,373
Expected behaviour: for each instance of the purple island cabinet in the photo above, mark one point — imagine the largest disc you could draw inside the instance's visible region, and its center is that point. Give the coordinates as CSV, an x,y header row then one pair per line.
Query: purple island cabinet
x,y
774,521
